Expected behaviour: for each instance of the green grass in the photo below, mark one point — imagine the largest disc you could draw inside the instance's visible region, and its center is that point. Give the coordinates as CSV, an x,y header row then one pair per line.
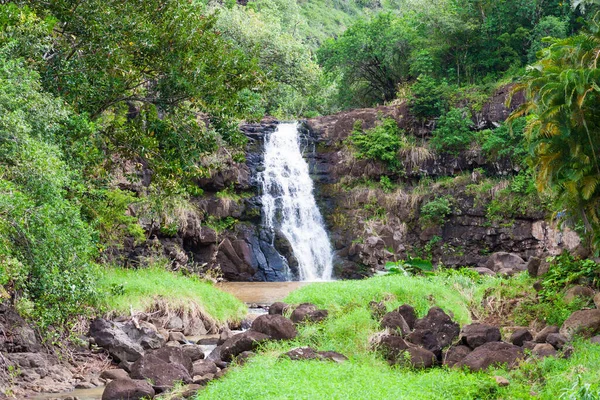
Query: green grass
x,y
368,376
140,289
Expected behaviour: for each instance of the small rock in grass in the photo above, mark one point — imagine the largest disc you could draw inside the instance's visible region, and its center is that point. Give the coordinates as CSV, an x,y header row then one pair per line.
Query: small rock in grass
x,y
190,390
544,350
595,340
501,381
578,292
276,327
583,322
203,380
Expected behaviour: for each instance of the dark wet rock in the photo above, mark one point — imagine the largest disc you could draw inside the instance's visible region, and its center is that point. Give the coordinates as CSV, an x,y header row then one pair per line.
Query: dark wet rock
x,y
557,340
278,308
193,351
543,334
308,353
583,322
127,389
544,350
237,344
308,312
493,353
475,335
456,354
395,322
112,374
520,336
578,292
275,326
409,314
440,323
203,367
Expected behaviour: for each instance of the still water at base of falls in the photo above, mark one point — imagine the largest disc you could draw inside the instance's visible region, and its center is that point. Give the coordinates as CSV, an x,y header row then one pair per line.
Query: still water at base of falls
x,y
289,204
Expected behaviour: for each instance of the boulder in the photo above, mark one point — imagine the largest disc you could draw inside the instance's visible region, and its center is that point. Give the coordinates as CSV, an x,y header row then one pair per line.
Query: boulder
x,y
194,352
426,339
278,308
597,300
237,344
533,266
557,340
244,356
177,337
119,345
583,322
419,358
492,353
308,353
174,355
543,334
390,346
175,323
146,335
475,335
503,260
204,367
529,345
520,336
456,354
308,312
161,373
578,292
544,350
438,322
396,322
409,314
276,326
224,336
127,389
113,374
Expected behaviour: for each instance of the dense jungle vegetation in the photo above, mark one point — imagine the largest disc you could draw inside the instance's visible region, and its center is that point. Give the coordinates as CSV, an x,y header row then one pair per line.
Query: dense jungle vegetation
x,y
93,91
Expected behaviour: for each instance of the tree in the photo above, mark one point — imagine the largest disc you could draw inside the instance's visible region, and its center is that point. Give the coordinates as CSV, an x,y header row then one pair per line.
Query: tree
x,y
563,98
372,58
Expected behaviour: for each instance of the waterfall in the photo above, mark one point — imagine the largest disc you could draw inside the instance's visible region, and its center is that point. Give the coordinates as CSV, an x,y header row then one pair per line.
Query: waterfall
x,y
290,207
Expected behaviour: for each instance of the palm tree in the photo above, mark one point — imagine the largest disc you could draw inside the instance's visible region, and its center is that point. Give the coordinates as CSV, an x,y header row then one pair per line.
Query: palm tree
x,y
563,129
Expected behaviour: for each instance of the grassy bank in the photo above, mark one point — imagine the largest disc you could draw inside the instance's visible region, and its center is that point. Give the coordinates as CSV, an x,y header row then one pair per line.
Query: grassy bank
x,y
146,289
367,376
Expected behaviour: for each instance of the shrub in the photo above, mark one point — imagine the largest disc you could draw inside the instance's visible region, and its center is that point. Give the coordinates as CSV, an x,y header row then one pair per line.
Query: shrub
x,y
380,143
427,98
453,132
435,211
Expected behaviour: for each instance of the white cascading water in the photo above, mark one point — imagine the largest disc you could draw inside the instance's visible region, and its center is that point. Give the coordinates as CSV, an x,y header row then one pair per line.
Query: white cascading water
x,y
289,204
